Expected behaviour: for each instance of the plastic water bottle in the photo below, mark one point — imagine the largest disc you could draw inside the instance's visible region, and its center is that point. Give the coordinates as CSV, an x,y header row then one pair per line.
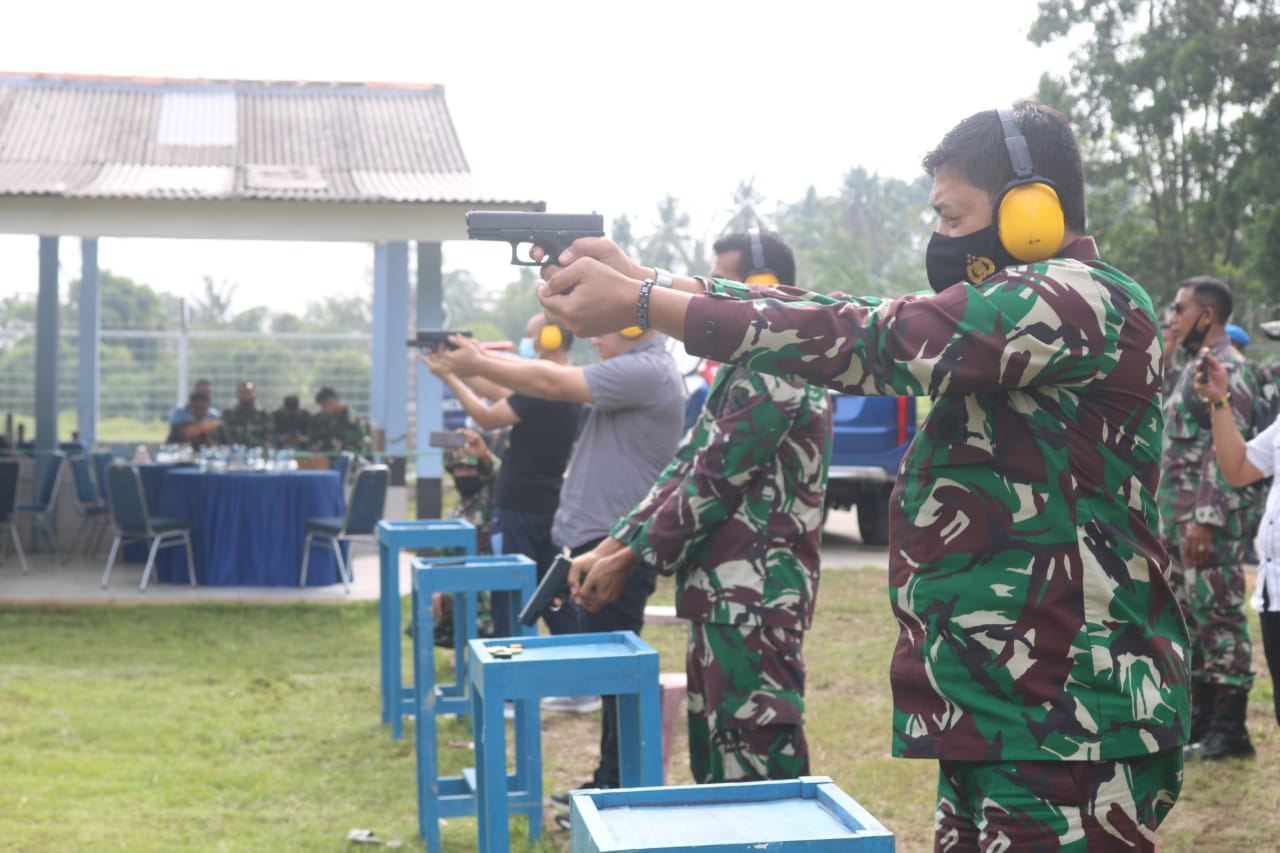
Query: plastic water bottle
x,y
142,455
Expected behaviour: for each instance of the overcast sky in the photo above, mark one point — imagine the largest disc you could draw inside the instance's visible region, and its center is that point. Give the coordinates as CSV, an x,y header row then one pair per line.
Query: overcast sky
x,y
590,106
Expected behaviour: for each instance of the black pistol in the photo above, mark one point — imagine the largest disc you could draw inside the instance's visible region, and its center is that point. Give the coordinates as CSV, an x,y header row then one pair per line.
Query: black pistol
x,y
433,340
552,586
554,232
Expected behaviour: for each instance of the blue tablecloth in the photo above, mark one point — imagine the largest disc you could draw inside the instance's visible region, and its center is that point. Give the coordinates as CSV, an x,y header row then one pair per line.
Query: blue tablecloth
x,y
247,529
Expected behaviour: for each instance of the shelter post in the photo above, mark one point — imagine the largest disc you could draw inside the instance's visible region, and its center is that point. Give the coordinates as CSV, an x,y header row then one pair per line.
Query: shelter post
x,y
430,315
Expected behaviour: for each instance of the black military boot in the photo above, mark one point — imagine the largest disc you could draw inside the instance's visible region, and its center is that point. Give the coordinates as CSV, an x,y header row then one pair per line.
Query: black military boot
x,y
1203,696
1228,737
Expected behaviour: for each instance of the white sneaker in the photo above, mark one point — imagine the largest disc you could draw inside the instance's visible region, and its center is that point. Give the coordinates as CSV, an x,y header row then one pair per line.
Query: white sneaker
x,y
576,704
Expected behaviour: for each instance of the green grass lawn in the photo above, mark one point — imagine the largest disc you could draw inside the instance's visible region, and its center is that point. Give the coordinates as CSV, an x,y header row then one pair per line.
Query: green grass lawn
x,y
235,727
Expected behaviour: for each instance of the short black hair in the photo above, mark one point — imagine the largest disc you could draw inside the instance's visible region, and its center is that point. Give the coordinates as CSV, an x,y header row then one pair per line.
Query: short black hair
x,y
778,256
291,401
198,397
326,393
1211,292
976,149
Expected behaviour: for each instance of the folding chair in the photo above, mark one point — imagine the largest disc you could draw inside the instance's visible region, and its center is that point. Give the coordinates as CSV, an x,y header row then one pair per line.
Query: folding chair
x,y
44,509
93,511
133,523
9,472
101,461
342,464
364,511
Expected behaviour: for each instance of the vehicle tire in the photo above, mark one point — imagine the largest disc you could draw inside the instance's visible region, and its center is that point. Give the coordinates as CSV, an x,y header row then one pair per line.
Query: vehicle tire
x,y
873,518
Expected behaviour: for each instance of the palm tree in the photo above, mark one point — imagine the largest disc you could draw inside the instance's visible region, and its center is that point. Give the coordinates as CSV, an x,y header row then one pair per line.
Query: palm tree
x,y
669,246
744,214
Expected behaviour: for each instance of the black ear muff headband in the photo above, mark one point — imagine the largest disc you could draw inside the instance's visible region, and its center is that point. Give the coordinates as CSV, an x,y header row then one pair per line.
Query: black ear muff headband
x,y
1028,213
759,273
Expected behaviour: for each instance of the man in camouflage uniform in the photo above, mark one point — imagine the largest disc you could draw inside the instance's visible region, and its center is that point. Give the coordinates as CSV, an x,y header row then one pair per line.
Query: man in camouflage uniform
x,y
1042,658
335,427
737,517
1205,524
248,425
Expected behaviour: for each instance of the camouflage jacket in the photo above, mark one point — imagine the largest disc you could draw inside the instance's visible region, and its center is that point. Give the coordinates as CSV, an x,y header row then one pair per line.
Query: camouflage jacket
x,y
251,427
1036,621
334,433
737,515
478,508
1192,487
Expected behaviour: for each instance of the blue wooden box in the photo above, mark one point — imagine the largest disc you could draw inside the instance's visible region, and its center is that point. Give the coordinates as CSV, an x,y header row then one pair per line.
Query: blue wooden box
x,y
810,813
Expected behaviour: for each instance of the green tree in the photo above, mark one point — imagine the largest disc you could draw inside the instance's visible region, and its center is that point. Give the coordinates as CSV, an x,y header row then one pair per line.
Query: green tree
x,y
517,302
669,246
744,213
623,233
464,298
339,313
213,309
1171,98
867,240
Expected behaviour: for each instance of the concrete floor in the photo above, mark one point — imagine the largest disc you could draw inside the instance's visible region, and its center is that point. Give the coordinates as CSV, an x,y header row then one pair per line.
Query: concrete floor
x,y
77,582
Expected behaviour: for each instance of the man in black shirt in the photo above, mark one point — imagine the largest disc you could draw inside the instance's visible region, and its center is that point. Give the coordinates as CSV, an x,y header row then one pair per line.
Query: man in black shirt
x,y
289,424
527,493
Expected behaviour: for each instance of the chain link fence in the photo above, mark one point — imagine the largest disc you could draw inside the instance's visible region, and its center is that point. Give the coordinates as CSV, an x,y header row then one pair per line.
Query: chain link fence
x,y
142,375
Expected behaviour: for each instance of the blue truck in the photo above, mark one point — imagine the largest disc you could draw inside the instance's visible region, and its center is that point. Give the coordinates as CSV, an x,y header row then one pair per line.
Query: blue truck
x,y
870,435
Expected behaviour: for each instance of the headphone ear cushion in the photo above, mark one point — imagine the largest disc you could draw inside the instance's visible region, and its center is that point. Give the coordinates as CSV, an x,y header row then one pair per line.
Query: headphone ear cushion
x,y
551,337
762,279
1030,221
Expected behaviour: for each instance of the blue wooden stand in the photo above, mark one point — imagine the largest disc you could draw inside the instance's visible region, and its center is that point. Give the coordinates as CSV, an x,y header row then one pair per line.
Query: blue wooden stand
x,y
806,814
393,537
617,663
463,577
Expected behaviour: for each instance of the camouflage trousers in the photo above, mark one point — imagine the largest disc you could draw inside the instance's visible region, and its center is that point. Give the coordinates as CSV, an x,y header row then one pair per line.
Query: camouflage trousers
x,y
1061,806
746,703
1212,601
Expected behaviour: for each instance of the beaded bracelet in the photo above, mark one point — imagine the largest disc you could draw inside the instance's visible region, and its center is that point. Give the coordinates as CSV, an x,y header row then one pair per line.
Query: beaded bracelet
x,y
642,305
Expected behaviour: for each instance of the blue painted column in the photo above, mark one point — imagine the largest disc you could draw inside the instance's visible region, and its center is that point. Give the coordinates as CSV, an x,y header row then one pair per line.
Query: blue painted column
x,y
395,417
430,390
47,347
388,398
378,385
90,326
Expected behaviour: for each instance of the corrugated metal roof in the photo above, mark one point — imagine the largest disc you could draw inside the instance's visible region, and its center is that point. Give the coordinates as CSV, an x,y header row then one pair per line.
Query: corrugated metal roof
x,y
132,138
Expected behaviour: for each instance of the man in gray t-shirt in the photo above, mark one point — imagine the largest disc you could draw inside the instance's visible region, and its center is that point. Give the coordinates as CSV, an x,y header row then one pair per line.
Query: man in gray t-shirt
x,y
631,434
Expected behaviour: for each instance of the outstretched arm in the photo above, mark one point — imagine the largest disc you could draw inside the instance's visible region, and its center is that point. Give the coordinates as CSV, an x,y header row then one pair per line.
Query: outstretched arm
x,y
486,415
1228,444
532,377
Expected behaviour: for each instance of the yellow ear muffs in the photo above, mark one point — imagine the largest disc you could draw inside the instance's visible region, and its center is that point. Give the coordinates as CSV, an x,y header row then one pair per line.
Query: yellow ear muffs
x,y
1030,222
759,274
631,332
762,278
551,337
1028,212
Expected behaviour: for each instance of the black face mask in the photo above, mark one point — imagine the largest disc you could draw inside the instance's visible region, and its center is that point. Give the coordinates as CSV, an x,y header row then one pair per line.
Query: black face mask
x,y
1195,338
468,484
973,258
